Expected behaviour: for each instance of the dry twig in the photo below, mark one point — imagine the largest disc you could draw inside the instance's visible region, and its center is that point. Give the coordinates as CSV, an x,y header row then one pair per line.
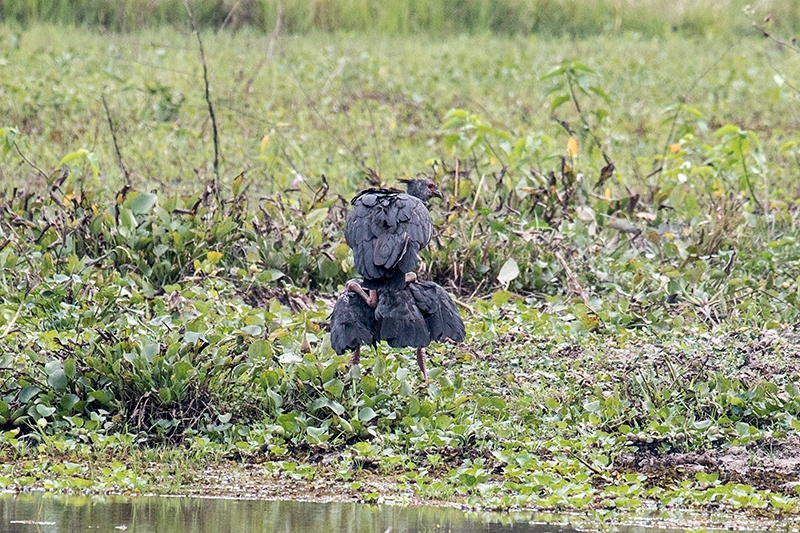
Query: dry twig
x,y
116,144
208,97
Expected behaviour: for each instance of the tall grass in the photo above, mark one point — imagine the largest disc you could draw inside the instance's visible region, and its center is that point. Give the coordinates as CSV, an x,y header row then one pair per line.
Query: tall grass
x,y
544,17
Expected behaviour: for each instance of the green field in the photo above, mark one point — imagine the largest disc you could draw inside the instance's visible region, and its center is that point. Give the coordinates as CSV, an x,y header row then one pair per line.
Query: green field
x,y
621,324
577,18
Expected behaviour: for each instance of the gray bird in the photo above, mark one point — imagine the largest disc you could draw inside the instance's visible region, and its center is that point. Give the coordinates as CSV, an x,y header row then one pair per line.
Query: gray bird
x,y
412,316
353,322
386,229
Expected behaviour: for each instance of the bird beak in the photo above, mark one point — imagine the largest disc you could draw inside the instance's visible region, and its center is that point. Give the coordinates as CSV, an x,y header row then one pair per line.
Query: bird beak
x,y
437,193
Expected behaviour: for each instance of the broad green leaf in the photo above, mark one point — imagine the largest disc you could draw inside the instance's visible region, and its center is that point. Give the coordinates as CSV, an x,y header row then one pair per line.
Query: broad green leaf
x,y
558,101
27,393
316,216
57,380
501,297
366,414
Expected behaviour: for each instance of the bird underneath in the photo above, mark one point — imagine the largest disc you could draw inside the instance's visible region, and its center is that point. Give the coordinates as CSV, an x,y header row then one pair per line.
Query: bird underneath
x,y
386,229
412,316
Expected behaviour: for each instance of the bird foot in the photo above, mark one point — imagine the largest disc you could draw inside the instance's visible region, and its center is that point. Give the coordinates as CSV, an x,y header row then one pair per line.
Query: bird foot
x,y
411,277
371,299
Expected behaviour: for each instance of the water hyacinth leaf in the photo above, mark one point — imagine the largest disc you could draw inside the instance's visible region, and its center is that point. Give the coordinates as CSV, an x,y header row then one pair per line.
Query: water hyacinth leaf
x,y
253,331
443,422
316,216
742,428
182,370
100,396
165,395
366,414
380,366
330,372
68,401
57,379
258,349
149,351
70,368
128,220
413,406
335,387
369,385
191,337
317,433
335,407
276,398
45,410
289,358
27,393
143,203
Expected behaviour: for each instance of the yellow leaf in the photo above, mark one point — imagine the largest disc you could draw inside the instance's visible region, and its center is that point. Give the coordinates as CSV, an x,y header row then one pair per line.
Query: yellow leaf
x,y
264,142
572,146
214,257
675,148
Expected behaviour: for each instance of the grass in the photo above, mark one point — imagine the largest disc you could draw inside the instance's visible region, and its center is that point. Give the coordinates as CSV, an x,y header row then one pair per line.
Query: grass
x,y
644,316
579,18
338,106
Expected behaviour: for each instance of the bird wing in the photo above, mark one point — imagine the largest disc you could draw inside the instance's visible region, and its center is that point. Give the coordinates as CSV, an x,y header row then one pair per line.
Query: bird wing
x,y
440,312
352,323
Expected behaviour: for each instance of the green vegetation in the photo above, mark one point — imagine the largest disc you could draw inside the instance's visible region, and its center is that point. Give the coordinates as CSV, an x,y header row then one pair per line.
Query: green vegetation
x,y
403,17
624,321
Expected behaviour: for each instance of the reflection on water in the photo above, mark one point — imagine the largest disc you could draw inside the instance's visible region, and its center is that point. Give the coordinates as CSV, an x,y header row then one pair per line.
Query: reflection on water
x,y
46,513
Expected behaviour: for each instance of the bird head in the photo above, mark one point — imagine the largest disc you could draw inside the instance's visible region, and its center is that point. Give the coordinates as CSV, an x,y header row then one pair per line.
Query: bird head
x,y
422,188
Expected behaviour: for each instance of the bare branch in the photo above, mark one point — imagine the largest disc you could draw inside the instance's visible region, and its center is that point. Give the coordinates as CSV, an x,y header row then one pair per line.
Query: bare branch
x,y
125,173
37,169
208,97
230,15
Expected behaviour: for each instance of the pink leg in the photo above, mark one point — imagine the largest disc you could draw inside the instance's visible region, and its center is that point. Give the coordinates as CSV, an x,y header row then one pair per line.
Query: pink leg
x,y
355,358
421,363
371,299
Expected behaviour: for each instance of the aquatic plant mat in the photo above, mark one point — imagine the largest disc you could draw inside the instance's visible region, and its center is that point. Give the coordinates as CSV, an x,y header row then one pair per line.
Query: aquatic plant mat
x,y
618,226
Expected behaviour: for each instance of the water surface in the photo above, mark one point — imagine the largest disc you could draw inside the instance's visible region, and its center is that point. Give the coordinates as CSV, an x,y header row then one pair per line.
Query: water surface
x,y
48,513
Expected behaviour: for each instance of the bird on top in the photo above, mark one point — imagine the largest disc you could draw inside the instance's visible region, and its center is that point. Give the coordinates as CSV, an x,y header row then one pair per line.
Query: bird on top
x,y
386,229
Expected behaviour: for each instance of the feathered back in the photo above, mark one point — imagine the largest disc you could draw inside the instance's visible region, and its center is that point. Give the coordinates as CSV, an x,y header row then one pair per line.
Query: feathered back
x,y
386,229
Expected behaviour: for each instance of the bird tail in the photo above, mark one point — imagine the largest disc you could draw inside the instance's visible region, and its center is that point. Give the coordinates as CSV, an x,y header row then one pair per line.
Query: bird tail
x,y
401,322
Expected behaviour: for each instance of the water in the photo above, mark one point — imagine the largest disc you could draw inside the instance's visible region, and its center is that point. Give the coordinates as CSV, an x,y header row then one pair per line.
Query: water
x,y
46,513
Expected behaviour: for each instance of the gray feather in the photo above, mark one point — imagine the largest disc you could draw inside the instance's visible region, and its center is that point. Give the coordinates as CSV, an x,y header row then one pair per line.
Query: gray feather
x,y
352,323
